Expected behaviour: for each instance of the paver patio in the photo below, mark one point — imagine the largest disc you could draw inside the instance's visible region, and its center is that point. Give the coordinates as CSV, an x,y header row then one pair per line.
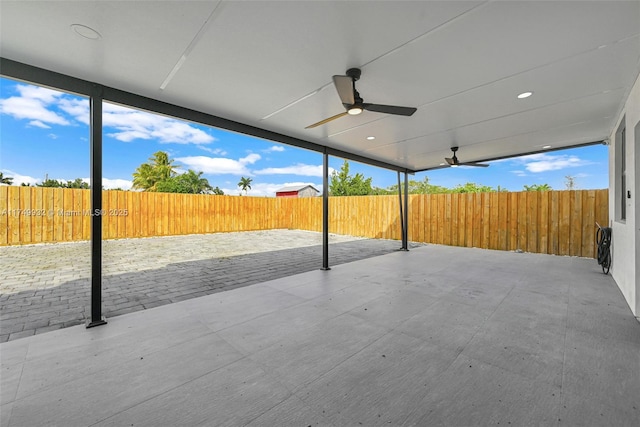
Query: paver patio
x,y
46,287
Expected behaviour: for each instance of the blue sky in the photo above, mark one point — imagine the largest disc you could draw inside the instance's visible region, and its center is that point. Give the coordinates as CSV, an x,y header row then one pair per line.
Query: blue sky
x,y
46,133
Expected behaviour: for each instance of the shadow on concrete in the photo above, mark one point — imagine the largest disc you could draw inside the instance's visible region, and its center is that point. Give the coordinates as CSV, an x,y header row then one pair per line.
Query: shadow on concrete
x,y
36,311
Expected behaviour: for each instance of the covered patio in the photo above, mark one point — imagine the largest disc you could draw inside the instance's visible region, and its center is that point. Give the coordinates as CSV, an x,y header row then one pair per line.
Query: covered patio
x,y
435,336
432,336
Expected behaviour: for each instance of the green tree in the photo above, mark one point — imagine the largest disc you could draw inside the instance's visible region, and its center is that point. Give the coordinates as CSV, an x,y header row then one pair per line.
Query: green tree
x,y
77,183
245,184
5,179
472,187
53,183
418,187
159,168
377,191
190,182
343,184
538,187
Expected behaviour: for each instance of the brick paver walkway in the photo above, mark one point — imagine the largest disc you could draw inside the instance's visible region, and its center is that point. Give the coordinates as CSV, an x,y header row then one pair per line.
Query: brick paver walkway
x,y
47,287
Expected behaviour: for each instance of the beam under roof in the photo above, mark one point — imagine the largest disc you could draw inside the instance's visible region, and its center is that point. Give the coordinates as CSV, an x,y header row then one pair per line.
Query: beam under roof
x,y
28,73
528,153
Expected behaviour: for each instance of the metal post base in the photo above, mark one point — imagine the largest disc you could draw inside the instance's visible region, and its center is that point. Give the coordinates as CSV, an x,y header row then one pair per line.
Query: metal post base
x,y
325,268
404,249
90,324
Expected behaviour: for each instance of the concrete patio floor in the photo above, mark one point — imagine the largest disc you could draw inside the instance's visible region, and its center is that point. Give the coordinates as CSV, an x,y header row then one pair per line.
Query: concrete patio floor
x,y
435,336
45,287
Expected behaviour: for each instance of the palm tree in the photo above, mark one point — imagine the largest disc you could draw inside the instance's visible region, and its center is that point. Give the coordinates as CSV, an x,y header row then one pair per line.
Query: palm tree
x,y
144,178
5,179
245,185
163,165
159,168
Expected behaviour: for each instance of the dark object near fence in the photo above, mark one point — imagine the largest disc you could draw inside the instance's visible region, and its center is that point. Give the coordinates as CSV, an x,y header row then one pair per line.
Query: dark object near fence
x,y
603,240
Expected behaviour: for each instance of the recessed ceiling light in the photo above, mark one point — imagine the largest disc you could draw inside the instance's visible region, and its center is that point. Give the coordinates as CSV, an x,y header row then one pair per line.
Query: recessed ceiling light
x,y
525,95
441,164
371,138
546,146
86,32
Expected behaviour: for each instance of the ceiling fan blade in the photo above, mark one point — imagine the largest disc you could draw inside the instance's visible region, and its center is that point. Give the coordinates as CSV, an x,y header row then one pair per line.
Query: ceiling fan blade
x,y
321,122
482,165
450,161
344,86
390,109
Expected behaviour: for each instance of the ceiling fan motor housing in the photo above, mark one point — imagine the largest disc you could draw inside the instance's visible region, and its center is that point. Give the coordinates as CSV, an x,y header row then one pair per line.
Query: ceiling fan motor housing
x,y
354,73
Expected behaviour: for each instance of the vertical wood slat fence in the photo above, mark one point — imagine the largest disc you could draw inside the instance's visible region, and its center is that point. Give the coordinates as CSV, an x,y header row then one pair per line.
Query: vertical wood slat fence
x,y
554,222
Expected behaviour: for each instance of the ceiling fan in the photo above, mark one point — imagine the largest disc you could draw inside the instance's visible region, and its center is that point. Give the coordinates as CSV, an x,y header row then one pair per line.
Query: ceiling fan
x,y
346,87
454,162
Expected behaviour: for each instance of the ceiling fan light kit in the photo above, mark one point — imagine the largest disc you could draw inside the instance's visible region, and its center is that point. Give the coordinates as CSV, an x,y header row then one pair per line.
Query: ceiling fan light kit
x,y
354,104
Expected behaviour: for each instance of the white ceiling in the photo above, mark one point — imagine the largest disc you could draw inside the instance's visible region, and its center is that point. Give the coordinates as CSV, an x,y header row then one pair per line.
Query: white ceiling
x,y
462,64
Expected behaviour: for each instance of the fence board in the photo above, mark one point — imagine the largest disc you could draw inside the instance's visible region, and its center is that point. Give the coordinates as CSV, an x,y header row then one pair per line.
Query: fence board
x,y
564,231
446,214
462,220
532,221
469,219
4,215
24,219
543,223
493,222
67,215
86,215
554,229
13,215
36,214
503,225
513,221
575,238
556,222
588,223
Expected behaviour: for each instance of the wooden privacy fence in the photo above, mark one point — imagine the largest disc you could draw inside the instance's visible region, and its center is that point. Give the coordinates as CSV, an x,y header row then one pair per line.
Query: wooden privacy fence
x,y
554,222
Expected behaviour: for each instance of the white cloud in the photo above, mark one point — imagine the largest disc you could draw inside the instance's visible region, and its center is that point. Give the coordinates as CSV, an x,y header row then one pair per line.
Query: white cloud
x,y
110,184
39,124
53,136
43,94
33,104
131,124
274,148
20,179
216,151
298,169
220,165
76,107
519,173
537,163
44,107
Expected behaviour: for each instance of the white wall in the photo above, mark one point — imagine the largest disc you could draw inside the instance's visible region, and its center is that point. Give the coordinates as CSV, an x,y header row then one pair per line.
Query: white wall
x,y
626,234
